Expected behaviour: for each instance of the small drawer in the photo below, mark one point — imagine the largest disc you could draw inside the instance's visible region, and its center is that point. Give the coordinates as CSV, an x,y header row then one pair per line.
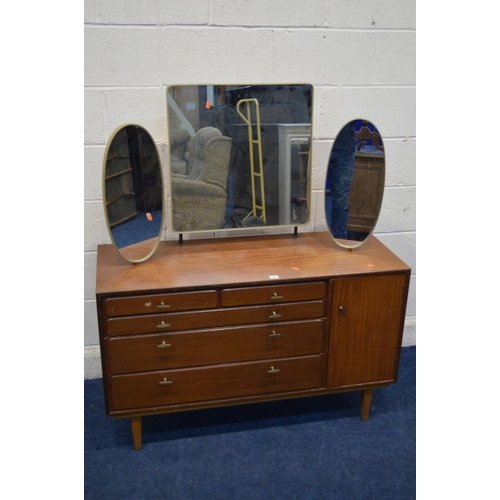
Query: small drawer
x,y
172,387
221,345
154,304
272,294
156,323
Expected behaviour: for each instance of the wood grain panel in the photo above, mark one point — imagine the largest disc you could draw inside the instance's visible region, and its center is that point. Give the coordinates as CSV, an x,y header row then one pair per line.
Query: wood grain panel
x,y
165,302
367,320
215,382
272,294
214,318
223,345
241,261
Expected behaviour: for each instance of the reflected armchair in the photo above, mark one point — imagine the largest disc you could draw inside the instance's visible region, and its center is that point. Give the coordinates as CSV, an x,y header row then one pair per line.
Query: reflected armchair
x,y
199,197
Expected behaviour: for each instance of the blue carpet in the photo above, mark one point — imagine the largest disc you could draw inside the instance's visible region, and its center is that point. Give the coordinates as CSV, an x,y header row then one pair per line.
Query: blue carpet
x,y
137,229
314,448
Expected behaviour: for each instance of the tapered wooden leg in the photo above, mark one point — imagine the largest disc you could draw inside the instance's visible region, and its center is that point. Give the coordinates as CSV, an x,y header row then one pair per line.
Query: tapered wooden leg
x,y
136,423
366,402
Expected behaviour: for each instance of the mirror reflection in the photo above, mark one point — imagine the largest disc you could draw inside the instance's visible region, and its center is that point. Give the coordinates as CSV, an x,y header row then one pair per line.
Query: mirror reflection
x,y
133,192
355,183
239,155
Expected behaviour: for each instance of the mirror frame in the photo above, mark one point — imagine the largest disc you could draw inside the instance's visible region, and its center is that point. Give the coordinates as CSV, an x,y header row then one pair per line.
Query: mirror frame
x,y
162,181
356,243
308,177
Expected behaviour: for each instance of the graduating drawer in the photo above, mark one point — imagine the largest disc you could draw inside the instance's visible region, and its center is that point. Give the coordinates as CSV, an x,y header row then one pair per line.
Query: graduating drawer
x,y
272,294
154,304
215,318
215,382
222,345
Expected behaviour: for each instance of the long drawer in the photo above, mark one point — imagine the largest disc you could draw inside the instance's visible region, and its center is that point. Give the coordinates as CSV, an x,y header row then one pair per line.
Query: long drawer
x,y
215,382
272,294
215,318
151,304
222,345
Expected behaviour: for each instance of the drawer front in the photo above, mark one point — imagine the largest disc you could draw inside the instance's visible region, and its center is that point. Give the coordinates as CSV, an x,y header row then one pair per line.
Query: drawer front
x,y
197,348
272,294
154,304
215,318
215,382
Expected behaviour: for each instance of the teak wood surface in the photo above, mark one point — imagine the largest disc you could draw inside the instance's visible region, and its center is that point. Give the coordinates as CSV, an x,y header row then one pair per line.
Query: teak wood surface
x,y
201,325
213,346
242,260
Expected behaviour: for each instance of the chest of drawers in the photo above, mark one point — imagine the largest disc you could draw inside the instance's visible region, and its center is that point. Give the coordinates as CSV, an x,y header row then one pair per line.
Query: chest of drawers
x,y
243,320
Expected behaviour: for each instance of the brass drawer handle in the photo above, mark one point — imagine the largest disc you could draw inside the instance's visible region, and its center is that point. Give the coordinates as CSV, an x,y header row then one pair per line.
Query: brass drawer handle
x,y
276,297
273,370
163,325
274,334
163,306
342,310
275,316
164,345
165,382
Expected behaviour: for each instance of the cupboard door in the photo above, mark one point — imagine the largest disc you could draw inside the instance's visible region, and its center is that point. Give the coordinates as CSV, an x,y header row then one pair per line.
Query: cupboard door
x,y
366,329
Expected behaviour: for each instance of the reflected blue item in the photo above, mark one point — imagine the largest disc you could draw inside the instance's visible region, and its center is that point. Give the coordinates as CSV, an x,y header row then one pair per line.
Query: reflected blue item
x,y
340,172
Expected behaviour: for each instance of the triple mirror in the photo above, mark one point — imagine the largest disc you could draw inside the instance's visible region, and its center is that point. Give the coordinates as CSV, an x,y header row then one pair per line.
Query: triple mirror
x,y
133,192
239,155
239,158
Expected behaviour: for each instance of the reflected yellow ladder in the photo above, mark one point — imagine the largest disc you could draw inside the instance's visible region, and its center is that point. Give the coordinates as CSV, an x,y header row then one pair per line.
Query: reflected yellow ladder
x,y
251,142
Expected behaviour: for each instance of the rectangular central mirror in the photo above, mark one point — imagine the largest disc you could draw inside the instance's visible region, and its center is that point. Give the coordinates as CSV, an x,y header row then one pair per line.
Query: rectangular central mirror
x,y
239,155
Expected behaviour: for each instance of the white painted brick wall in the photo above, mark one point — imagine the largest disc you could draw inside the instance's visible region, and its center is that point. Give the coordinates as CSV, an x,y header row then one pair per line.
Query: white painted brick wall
x,y
359,55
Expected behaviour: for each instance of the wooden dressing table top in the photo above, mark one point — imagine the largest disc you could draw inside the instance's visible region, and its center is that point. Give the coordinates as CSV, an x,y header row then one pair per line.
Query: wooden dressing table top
x,y
243,260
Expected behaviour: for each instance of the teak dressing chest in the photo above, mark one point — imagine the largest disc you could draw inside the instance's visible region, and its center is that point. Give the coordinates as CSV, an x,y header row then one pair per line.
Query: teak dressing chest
x,y
239,320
